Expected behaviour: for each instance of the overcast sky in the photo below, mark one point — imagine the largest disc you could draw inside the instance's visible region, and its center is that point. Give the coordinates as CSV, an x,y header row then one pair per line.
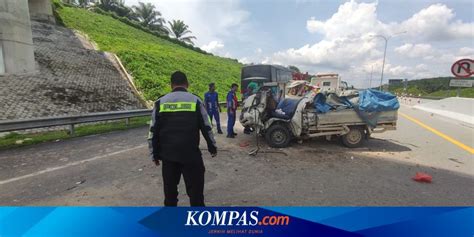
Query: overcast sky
x,y
333,36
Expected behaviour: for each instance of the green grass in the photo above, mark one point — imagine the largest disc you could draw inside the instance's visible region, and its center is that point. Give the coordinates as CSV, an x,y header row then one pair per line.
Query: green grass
x,y
435,87
464,92
17,140
151,59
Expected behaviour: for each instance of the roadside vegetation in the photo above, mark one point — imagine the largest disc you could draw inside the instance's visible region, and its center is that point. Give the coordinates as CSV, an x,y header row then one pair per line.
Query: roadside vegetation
x,y
13,139
147,52
435,87
149,58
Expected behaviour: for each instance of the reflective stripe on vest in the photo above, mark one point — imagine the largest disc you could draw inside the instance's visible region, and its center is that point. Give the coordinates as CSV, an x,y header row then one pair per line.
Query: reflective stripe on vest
x,y
178,107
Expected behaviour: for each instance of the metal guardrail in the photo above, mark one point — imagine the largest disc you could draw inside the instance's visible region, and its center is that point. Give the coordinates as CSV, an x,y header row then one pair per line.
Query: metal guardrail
x,y
15,125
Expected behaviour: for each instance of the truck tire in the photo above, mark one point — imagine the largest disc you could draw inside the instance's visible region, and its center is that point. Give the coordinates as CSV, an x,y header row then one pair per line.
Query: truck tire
x,y
278,136
354,138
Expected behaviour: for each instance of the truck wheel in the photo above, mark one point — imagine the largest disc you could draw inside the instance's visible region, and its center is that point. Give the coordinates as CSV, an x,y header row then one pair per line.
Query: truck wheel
x,y
354,138
278,136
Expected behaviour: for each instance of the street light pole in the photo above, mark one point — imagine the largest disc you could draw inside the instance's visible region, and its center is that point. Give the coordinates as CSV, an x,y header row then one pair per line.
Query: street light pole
x,y
383,62
385,53
370,80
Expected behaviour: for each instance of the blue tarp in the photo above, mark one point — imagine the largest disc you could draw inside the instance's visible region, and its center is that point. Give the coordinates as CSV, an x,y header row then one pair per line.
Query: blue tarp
x,y
320,103
369,101
377,101
288,106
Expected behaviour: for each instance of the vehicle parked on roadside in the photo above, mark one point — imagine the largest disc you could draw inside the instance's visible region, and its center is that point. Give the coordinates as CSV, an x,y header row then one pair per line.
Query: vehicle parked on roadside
x,y
330,82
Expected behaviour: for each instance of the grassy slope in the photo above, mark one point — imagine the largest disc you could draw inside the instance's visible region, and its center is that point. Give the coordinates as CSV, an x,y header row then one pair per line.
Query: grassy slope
x,y
437,87
464,92
151,60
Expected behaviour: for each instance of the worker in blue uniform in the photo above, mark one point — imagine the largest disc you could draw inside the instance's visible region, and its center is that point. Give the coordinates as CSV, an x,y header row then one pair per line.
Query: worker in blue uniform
x,y
232,104
211,100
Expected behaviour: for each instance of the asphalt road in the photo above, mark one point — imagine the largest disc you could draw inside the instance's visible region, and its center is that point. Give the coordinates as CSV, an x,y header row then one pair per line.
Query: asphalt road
x,y
114,170
443,150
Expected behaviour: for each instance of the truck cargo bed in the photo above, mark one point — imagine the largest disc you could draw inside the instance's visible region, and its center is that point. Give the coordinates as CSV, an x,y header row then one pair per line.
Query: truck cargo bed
x,y
350,117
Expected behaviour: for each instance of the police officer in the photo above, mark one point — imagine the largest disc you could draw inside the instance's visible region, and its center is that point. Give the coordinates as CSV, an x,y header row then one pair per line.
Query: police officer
x,y
174,137
211,99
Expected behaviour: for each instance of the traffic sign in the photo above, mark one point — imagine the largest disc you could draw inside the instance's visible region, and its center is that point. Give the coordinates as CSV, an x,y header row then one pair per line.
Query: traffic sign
x,y
463,68
460,83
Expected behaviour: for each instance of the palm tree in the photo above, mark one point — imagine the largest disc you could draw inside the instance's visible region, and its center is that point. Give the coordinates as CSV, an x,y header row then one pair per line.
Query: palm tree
x,y
116,6
70,2
107,4
178,29
149,17
83,3
294,68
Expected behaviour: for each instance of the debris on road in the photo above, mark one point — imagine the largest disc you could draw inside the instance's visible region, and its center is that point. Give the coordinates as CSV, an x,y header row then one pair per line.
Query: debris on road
x,y
455,160
422,177
244,144
77,185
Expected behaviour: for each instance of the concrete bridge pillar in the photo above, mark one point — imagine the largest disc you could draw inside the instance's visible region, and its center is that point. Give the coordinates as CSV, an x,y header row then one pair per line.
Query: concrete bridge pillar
x,y
41,10
16,42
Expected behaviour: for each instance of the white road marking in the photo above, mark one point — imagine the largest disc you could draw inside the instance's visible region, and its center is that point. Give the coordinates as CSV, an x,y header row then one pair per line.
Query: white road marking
x,y
48,170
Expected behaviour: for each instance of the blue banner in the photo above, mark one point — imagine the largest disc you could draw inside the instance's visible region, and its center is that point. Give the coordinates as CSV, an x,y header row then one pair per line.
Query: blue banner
x,y
237,221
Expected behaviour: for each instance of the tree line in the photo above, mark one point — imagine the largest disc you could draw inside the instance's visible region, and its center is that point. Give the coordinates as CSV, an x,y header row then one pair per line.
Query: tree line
x,y
145,14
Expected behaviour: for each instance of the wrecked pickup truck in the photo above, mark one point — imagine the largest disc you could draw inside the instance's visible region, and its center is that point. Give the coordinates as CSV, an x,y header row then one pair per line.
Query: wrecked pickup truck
x,y
352,118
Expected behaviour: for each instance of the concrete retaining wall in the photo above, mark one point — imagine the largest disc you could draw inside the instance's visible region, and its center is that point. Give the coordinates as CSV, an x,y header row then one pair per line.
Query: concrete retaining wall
x,y
457,108
71,80
16,37
41,10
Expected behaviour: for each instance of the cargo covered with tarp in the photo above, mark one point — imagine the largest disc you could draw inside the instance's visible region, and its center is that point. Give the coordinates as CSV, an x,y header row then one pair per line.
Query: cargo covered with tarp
x,y
367,101
377,101
370,106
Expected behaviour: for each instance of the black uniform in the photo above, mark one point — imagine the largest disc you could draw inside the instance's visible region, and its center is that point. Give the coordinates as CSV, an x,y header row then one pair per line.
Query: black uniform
x,y
174,138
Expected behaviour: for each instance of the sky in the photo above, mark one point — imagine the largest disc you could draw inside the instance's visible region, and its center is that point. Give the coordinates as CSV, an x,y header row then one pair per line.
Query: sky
x,y
424,37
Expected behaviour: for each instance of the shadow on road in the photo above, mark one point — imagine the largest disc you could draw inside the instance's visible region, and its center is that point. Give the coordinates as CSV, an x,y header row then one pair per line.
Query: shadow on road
x,y
387,145
373,144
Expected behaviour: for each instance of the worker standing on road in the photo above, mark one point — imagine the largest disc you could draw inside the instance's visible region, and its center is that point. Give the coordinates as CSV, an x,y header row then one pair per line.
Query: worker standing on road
x,y
231,110
211,99
174,138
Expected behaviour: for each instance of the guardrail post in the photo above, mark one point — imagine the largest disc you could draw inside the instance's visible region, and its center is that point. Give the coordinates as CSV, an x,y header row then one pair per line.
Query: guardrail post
x,y
127,121
71,130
